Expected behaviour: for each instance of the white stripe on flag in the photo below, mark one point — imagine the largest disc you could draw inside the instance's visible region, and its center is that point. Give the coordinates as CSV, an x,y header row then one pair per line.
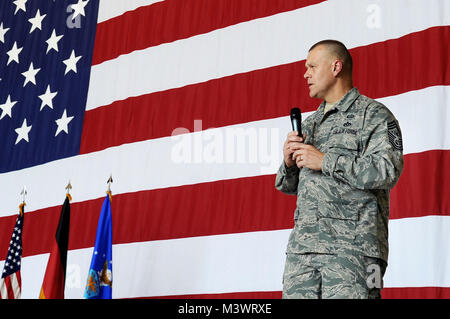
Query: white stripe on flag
x,y
15,285
151,165
3,289
112,8
419,252
243,262
253,45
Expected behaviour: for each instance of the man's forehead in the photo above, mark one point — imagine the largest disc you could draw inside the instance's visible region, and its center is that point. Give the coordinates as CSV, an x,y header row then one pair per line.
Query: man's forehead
x,y
317,54
312,58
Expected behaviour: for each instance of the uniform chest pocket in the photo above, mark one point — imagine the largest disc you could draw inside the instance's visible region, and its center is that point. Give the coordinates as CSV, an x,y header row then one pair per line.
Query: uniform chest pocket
x,y
344,141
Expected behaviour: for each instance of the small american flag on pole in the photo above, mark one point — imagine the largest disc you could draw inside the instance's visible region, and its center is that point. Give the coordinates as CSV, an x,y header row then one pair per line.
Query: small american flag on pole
x,y
11,283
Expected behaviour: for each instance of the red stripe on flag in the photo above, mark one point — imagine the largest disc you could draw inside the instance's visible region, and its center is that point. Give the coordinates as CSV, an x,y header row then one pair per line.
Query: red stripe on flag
x,y
187,211
9,287
397,66
160,214
19,281
266,93
386,293
144,27
229,295
423,187
416,293
6,224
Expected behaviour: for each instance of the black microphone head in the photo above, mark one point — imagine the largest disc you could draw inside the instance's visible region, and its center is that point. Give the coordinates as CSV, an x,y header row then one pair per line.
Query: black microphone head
x,y
295,113
296,120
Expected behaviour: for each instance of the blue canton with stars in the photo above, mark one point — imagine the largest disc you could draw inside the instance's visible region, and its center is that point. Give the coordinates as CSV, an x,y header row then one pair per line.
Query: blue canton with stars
x,y
45,62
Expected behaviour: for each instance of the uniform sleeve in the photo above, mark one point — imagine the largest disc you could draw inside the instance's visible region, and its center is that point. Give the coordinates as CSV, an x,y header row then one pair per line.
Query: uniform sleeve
x,y
380,163
287,179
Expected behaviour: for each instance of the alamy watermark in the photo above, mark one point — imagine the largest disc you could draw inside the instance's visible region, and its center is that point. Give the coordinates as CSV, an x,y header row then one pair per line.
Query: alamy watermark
x,y
375,278
373,20
76,11
228,145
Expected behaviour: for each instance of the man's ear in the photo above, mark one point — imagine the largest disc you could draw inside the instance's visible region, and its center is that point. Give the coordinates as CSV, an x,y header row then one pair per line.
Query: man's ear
x,y
337,67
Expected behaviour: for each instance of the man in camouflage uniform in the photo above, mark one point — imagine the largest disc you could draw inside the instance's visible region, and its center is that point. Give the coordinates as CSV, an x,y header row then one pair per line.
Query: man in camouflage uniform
x,y
341,170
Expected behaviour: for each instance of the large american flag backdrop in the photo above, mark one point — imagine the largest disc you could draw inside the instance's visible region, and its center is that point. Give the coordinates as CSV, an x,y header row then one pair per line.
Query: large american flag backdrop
x,y
185,103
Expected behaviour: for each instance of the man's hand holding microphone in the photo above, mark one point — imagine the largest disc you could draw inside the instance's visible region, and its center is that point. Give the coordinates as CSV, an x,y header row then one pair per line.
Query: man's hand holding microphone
x,y
296,152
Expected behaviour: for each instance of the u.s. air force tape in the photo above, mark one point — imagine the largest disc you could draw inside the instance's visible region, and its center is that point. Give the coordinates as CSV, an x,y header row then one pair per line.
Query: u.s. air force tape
x,y
394,136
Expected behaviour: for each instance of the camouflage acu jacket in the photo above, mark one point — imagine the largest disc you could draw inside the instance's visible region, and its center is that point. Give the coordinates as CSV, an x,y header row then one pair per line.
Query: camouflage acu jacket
x,y
345,207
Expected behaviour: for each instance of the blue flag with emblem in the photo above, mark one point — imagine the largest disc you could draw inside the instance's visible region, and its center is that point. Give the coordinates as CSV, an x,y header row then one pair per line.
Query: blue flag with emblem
x,y
99,282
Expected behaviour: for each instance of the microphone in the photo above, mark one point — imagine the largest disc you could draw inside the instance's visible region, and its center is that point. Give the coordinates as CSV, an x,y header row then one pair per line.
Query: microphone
x,y
296,120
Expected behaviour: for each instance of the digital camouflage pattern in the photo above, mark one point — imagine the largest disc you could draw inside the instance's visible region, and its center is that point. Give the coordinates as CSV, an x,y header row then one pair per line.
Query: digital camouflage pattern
x,y
324,276
344,209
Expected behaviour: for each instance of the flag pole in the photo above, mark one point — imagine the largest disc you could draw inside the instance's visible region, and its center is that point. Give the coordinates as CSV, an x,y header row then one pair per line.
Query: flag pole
x,y
68,188
109,182
99,281
10,281
24,194
53,284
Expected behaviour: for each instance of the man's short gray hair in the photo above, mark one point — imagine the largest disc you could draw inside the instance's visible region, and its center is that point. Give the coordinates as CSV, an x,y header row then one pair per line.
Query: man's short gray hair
x,y
338,49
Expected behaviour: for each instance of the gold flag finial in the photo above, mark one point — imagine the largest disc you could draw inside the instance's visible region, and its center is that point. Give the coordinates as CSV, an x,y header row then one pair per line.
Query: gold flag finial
x,y
24,194
109,182
68,188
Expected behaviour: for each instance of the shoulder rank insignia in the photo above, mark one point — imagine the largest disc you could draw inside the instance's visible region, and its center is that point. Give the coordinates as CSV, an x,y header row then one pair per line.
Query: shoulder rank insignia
x,y
394,136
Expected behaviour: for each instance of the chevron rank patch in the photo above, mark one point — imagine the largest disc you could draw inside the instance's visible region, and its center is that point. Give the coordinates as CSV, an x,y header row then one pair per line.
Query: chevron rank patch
x,y
395,137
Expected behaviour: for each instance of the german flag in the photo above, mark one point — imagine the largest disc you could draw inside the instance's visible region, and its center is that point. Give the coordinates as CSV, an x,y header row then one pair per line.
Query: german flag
x,y
55,274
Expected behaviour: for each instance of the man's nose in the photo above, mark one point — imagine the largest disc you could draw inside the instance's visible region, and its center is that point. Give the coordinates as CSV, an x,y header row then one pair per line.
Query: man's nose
x,y
306,75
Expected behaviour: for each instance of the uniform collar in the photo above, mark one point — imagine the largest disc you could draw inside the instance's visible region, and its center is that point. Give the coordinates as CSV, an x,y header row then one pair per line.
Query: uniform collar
x,y
345,102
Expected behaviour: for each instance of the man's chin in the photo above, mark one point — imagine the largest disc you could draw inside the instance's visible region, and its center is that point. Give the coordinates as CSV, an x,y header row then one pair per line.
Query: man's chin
x,y
314,95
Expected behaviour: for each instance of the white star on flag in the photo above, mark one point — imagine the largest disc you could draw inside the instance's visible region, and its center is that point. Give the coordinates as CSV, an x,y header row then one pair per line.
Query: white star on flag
x,y
7,107
78,8
3,32
71,62
30,75
13,54
63,123
52,42
22,132
47,98
20,5
36,22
